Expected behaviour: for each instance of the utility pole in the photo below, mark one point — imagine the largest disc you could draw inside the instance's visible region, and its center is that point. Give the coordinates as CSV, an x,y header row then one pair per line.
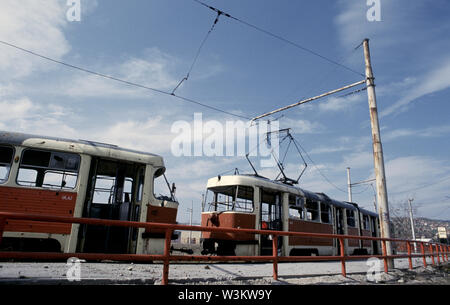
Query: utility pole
x,y
349,185
380,177
412,223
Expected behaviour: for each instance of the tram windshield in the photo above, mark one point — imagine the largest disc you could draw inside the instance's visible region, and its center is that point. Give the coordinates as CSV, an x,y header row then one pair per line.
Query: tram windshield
x,y
238,198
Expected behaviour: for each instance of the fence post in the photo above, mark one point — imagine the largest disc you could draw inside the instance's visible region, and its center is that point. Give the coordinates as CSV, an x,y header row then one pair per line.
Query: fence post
x,y
437,253
165,279
383,245
2,227
441,249
342,247
275,256
408,245
430,246
422,249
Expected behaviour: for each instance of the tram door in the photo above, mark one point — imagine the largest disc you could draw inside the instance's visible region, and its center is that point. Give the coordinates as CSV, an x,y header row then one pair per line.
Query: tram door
x,y
339,225
373,228
271,219
110,195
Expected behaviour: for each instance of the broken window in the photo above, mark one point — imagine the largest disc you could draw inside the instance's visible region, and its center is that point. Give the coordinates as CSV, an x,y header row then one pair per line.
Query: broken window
x,y
351,218
325,212
366,222
296,205
113,182
48,169
312,210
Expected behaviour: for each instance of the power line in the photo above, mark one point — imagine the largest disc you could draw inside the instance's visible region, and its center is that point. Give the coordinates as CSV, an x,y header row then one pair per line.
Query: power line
x,y
322,80
421,187
189,100
280,38
317,168
198,52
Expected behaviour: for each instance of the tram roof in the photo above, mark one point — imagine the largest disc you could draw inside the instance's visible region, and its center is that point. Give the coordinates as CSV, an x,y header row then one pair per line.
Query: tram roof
x,y
105,150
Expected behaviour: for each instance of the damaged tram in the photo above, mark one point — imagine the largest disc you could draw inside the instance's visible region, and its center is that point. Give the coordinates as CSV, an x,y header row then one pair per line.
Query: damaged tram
x,y
254,202
79,178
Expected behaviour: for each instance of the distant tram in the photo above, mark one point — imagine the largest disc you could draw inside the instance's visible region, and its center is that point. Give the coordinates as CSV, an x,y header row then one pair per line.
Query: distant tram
x,y
78,178
254,202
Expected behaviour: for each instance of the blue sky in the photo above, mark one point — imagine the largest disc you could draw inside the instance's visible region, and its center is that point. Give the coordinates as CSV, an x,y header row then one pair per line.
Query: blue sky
x,y
246,72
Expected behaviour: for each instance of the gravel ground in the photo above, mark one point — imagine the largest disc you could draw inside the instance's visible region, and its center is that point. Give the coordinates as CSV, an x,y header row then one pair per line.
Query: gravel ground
x,y
305,273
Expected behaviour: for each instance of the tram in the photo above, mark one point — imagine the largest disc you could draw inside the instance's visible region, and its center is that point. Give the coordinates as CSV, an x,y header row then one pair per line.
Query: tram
x,y
79,178
255,202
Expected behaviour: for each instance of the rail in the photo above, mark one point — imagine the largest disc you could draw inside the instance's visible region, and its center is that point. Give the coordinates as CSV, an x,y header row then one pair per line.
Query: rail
x,y
427,249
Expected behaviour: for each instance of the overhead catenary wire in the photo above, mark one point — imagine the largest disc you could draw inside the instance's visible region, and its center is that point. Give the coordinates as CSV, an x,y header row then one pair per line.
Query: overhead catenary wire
x,y
276,36
189,100
198,52
326,76
318,169
421,187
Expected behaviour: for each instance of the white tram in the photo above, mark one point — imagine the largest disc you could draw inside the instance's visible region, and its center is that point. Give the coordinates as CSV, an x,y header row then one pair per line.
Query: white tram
x,y
78,178
254,202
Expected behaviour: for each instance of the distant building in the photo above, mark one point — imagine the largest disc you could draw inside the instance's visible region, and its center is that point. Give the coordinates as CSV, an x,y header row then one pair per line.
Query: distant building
x,y
184,236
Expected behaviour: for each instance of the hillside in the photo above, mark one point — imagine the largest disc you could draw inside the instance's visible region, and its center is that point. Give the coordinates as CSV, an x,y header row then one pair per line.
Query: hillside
x,y
424,227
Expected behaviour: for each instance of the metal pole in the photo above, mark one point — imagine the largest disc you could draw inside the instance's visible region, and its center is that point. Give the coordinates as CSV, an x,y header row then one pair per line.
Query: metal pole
x,y
308,100
412,223
380,177
349,185
190,222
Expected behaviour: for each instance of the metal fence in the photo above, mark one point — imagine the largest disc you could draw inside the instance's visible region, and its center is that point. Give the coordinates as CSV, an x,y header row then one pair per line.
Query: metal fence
x,y
427,249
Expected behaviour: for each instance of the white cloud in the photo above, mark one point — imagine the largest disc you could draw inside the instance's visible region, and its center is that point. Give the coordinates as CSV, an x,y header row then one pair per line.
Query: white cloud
x,y
341,103
24,115
152,70
301,126
430,132
422,178
33,25
436,80
151,135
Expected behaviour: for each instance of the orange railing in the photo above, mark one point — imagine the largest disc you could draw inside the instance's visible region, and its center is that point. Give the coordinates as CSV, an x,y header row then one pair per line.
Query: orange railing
x,y
439,251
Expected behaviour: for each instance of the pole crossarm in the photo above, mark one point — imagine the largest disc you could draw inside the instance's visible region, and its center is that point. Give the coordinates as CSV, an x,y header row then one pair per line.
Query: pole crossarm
x,y
362,182
309,100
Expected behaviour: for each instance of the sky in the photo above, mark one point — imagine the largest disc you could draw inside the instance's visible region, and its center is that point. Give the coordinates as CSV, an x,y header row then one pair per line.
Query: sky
x,y
245,72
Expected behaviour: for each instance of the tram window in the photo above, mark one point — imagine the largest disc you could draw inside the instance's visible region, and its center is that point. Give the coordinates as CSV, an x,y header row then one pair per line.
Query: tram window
x,y
325,213
48,169
161,188
140,187
231,198
127,190
6,156
27,177
114,182
296,207
270,210
351,218
59,179
312,210
366,222
104,189
295,213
